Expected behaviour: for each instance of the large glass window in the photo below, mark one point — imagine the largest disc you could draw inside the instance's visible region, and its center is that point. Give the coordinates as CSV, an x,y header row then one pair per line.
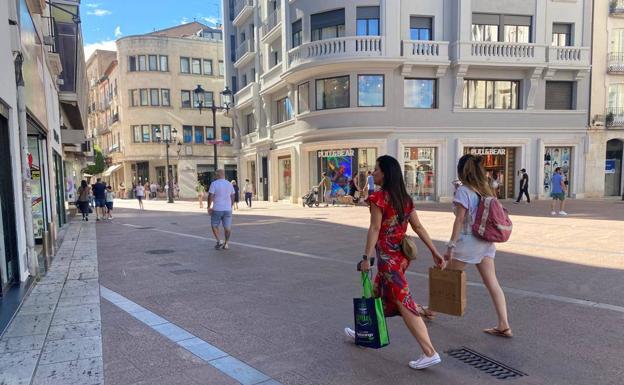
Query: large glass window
x,y
142,63
250,123
296,33
199,134
207,67
164,63
370,90
132,64
144,97
221,68
517,33
420,93
185,65
303,98
367,23
420,172
226,134
145,130
484,32
196,66
285,180
491,94
332,93
284,110
134,98
155,133
328,25
561,35
153,62
164,97
507,28
210,134
154,97
187,134
420,28
136,134
186,99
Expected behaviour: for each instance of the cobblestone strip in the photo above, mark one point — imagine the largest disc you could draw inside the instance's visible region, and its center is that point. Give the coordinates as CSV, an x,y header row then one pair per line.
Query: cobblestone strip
x,y
56,336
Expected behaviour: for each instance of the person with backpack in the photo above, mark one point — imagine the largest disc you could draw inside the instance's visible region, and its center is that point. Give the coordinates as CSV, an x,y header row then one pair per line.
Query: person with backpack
x,y
470,247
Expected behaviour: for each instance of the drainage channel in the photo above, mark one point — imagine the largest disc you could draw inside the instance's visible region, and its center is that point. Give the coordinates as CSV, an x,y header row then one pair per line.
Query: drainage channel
x,y
485,364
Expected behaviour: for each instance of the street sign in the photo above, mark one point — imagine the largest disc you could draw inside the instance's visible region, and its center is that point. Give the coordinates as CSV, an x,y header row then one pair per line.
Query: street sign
x,y
215,141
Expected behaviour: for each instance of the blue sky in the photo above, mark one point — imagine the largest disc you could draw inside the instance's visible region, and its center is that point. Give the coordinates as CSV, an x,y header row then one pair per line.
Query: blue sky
x,y
105,21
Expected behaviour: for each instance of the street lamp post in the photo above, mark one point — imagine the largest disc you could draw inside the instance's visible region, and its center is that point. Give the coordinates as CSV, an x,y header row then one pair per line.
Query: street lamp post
x,y
168,139
200,97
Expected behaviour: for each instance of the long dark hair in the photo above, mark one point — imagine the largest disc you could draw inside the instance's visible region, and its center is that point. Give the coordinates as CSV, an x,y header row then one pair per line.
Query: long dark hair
x,y
395,186
471,172
83,184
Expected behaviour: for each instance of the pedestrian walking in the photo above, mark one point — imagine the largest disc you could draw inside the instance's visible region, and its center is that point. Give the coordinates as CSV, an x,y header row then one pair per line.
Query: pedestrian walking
x,y
524,187
220,202
201,194
495,184
176,190
110,198
122,190
99,193
464,248
392,210
558,192
236,194
354,190
325,186
248,190
139,192
370,183
153,188
92,197
84,193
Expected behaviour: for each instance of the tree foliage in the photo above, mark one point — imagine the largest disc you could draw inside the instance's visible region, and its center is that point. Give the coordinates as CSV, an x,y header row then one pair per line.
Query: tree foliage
x,y
100,164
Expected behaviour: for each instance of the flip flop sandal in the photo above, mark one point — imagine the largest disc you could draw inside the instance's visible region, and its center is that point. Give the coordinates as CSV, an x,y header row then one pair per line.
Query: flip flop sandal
x,y
499,333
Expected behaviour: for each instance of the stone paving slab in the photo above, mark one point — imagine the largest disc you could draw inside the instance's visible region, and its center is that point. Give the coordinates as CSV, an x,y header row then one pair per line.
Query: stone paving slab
x,y
56,336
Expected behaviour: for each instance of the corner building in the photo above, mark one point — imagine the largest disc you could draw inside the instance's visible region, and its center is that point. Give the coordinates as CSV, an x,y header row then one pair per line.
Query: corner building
x,y
145,94
331,85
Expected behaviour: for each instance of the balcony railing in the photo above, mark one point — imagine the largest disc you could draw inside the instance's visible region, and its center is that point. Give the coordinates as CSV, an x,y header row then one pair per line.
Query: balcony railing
x,y
271,22
425,50
616,7
342,47
241,5
568,56
501,52
271,76
614,117
246,93
244,48
616,62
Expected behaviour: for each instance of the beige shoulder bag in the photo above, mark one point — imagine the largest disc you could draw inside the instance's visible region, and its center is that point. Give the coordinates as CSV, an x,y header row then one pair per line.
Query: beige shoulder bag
x,y
408,247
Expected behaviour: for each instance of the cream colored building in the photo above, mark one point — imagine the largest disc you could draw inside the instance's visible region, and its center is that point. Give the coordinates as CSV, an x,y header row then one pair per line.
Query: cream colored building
x,y
146,94
606,134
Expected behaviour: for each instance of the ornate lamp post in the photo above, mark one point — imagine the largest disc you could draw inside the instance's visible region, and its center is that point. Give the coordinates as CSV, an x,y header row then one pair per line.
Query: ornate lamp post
x,y
226,97
168,140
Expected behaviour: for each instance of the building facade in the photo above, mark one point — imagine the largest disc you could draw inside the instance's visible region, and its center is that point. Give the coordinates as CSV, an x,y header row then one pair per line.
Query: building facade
x,y
606,132
327,86
146,94
41,48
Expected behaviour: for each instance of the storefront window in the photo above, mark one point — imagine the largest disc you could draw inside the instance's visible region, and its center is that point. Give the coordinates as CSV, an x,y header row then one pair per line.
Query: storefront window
x,y
499,163
338,166
285,180
332,93
420,172
557,157
370,90
366,162
37,185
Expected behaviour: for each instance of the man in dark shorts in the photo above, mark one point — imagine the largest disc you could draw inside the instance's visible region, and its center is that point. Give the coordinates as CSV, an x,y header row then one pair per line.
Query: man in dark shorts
x,y
99,192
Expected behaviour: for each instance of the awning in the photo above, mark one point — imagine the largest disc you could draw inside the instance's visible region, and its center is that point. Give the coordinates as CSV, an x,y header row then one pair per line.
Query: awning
x,y
111,169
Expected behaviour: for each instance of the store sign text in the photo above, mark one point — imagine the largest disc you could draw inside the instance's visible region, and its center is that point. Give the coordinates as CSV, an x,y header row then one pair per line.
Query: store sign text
x,y
335,153
487,151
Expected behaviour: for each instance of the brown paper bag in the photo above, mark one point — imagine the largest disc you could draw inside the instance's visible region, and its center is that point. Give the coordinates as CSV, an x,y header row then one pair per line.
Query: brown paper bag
x,y
447,291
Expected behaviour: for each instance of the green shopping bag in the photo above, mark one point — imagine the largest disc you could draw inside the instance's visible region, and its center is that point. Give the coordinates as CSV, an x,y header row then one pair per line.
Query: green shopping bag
x,y
370,323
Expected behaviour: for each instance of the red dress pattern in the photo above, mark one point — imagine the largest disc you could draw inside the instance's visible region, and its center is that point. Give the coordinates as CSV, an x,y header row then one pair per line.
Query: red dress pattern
x,y
390,282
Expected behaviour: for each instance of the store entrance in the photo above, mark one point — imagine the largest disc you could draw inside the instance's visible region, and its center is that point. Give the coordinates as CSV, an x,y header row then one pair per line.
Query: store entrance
x,y
265,178
499,163
8,241
613,167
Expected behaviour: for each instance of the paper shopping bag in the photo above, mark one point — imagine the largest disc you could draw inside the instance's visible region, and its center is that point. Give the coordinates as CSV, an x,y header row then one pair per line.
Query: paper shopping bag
x,y
370,323
447,291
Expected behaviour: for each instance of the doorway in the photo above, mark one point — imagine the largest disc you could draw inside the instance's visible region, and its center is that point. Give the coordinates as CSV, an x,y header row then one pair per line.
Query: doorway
x,y
9,265
613,167
265,178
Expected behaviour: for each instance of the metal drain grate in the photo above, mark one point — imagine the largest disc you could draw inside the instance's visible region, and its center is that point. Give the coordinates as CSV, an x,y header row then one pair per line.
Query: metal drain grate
x,y
159,251
485,364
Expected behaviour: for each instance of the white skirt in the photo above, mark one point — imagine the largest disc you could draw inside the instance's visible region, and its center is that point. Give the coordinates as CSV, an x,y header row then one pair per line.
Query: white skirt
x,y
471,249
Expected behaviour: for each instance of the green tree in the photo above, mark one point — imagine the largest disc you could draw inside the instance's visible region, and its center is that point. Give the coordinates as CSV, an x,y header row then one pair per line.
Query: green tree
x,y
100,164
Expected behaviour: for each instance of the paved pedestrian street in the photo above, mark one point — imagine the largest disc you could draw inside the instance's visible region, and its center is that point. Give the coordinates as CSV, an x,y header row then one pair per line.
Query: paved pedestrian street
x,y
271,310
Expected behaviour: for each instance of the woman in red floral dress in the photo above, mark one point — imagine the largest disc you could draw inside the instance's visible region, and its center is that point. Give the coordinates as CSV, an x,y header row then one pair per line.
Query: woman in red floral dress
x,y
392,209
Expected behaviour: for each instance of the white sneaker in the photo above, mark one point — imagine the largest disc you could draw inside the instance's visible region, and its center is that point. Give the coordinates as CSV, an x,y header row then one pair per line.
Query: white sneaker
x,y
553,213
563,213
350,333
424,362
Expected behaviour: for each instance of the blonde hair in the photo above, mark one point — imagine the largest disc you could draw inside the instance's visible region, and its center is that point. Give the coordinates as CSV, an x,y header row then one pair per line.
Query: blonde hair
x,y
472,174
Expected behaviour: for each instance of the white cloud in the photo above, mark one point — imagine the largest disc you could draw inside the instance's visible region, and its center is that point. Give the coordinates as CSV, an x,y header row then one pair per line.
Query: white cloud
x,y
184,20
212,20
92,5
108,45
99,12
118,31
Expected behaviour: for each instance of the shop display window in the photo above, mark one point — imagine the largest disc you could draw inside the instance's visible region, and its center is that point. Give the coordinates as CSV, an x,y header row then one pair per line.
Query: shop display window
x,y
556,157
420,172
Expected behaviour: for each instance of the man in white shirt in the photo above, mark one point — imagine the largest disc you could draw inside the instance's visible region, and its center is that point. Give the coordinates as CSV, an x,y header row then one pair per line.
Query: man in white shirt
x,y
220,202
248,190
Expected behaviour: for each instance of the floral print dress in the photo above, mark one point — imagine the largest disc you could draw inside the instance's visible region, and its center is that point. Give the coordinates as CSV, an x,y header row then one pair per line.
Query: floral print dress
x,y
390,282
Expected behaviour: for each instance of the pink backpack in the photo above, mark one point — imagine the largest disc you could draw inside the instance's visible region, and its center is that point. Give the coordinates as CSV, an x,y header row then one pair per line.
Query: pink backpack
x,y
492,221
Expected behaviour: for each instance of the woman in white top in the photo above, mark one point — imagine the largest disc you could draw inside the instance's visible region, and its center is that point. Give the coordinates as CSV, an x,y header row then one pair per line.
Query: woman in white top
x,y
139,191
464,248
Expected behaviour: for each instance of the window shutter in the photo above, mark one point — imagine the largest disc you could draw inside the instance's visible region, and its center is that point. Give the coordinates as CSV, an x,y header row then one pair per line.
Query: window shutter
x,y
559,95
368,12
328,19
420,22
